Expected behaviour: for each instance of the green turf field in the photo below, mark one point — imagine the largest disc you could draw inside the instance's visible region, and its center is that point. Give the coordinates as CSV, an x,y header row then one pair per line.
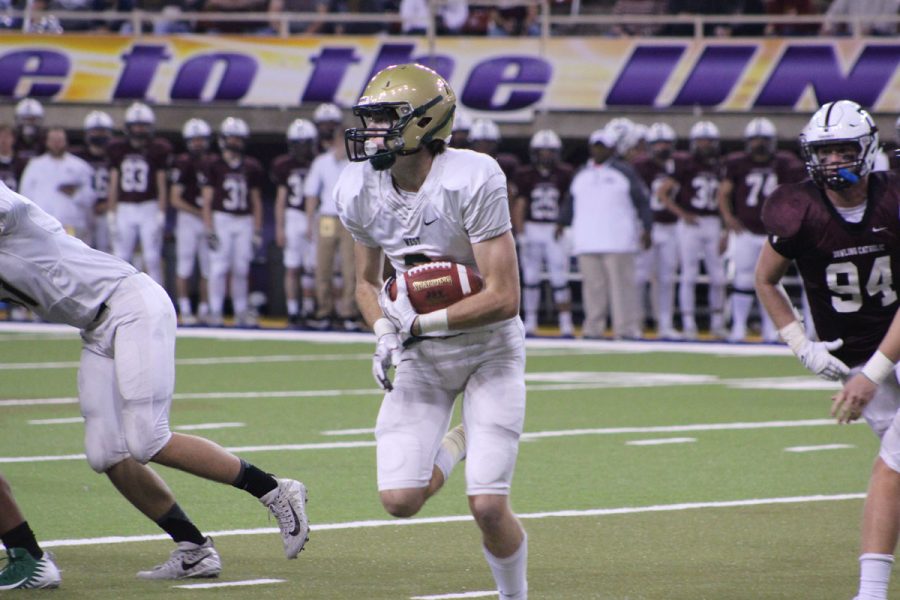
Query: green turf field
x,y
607,518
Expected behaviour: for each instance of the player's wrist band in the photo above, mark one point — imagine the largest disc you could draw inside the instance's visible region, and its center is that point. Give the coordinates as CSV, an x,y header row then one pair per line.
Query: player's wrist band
x,y
878,367
793,335
383,326
434,321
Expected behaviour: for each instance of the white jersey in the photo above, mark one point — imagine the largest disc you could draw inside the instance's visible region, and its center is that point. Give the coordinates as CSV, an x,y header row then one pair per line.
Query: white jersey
x,y
54,274
43,179
463,201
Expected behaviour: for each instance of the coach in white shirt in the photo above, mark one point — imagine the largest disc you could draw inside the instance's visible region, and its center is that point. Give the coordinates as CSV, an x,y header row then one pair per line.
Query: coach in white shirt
x,y
61,184
611,220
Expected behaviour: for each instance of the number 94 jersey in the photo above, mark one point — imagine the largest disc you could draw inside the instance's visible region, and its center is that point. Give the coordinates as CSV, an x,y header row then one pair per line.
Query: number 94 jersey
x,y
850,270
138,168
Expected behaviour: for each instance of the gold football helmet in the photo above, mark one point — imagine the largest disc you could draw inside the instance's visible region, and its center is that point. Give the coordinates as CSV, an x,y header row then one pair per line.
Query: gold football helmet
x,y
406,106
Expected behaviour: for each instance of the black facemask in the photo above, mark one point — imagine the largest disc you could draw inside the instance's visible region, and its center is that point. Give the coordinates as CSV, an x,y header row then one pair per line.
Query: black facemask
x,y
100,140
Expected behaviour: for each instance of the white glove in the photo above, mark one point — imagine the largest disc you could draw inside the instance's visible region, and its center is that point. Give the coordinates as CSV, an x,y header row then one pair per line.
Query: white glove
x,y
815,356
387,353
399,311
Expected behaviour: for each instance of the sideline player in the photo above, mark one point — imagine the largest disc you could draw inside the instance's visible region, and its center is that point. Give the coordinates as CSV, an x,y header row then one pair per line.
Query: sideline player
x,y
748,179
138,182
542,187
191,249
292,226
98,133
841,229
28,567
410,197
126,380
232,216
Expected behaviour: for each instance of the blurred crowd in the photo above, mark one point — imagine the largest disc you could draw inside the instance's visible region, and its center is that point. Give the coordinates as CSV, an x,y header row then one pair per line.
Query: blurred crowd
x,y
467,17
638,226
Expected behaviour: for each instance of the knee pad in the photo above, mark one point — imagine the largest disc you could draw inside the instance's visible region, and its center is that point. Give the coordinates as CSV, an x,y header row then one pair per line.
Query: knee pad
x,y
104,444
490,460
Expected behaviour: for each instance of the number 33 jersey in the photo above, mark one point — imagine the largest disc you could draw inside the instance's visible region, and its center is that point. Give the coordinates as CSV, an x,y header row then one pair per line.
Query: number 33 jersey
x,y
850,270
138,168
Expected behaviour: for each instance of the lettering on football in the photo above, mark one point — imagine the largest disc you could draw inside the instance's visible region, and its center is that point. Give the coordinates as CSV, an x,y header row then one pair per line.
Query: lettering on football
x,y
436,285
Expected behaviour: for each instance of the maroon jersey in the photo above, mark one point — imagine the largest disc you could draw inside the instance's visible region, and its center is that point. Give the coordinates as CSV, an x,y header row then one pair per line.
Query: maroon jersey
x,y
100,164
753,182
289,172
654,174
11,169
543,190
138,168
698,183
232,184
25,151
185,172
847,268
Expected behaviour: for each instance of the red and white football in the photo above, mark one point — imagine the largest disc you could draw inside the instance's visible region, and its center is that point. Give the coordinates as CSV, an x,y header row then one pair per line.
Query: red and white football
x,y
436,285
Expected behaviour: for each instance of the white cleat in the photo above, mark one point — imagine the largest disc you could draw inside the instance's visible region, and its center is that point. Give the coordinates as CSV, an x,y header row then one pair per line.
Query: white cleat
x,y
189,320
287,503
188,560
668,333
24,572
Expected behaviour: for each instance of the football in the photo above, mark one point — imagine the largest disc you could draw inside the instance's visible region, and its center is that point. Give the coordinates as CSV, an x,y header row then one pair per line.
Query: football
x,y
436,285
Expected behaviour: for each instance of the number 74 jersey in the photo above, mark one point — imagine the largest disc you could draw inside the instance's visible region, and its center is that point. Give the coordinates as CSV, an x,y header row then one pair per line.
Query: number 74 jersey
x,y
850,271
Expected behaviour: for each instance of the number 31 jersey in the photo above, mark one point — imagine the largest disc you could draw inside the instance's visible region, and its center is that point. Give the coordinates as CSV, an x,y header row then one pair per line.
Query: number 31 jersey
x,y
232,183
850,270
138,168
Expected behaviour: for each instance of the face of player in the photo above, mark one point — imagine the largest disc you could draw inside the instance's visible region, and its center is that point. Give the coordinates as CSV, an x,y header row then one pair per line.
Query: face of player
x,y
661,151
546,158
29,127
837,156
303,150
488,147
600,153
459,139
7,141
56,143
706,148
97,137
760,148
139,134
197,145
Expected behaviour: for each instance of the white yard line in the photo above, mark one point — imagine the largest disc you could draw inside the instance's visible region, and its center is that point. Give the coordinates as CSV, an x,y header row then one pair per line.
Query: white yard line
x,y
818,448
597,512
201,361
534,435
360,431
221,584
487,594
661,441
202,426
63,421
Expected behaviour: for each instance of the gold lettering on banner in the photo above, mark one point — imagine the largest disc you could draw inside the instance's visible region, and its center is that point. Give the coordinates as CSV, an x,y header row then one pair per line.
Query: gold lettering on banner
x,y
418,286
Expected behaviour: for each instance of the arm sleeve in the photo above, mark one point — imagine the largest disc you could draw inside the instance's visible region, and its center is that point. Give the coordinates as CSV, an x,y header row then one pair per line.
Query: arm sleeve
x,y
640,195
313,184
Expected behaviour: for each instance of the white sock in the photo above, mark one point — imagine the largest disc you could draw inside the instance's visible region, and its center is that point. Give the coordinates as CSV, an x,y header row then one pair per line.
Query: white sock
x,y
293,307
565,323
741,303
874,576
309,305
184,306
452,451
510,573
203,309
531,301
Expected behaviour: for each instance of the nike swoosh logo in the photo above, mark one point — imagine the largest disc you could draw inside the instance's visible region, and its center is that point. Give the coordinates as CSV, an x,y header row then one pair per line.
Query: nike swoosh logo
x,y
427,223
296,530
877,229
187,566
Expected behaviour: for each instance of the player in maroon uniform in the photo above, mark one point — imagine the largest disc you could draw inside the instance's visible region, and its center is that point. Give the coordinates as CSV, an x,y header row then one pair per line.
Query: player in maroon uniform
x,y
542,187
191,248
662,256
841,228
232,216
693,186
136,199
484,137
98,133
292,231
749,178
30,135
10,167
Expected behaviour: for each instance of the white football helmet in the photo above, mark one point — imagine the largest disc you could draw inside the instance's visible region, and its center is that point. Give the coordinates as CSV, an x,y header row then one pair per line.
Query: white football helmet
x,y
139,113
484,130
660,132
545,139
761,127
301,130
97,119
839,122
705,130
233,134
195,128
897,127
327,112
29,108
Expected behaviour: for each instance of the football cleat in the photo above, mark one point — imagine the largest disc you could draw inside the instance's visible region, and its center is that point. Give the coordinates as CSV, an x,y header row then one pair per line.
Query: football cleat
x,y
287,503
24,572
188,560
